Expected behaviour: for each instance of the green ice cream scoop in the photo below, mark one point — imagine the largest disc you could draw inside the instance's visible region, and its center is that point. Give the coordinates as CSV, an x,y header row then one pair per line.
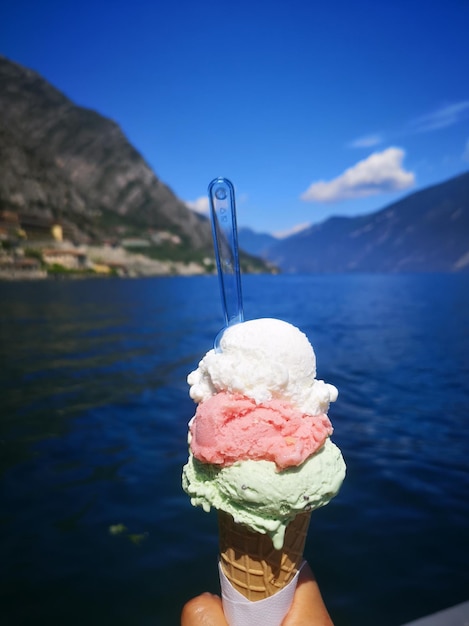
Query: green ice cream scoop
x,y
259,496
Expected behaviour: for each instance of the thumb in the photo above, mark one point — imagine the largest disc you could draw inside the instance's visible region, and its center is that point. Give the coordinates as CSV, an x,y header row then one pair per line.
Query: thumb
x,y
308,606
204,610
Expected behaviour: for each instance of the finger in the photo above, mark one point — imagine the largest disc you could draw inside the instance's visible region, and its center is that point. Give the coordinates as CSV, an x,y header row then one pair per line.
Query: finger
x,y
204,610
308,606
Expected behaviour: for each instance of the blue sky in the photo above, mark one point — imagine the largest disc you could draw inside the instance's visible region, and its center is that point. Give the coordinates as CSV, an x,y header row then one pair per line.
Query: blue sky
x,y
311,109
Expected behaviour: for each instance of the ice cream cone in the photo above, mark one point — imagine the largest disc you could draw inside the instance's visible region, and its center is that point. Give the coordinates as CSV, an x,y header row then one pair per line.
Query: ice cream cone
x,y
251,563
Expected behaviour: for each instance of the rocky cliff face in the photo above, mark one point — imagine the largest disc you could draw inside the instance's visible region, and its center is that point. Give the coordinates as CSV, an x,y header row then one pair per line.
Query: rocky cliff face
x,y
61,161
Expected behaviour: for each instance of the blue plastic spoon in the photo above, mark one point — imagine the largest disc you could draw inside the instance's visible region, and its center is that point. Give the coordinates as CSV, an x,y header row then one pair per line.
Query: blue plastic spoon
x,y
225,238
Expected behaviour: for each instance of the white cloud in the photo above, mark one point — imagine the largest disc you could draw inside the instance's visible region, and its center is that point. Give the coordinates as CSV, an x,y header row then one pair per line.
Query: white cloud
x,y
368,141
200,205
381,172
441,118
465,155
445,116
291,231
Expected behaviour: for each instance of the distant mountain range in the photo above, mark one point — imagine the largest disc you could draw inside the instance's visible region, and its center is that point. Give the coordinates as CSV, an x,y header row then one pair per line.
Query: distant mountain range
x,y
255,243
428,231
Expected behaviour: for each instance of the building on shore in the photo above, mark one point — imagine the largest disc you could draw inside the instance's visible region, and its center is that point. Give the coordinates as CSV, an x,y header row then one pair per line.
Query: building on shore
x,y
21,269
67,258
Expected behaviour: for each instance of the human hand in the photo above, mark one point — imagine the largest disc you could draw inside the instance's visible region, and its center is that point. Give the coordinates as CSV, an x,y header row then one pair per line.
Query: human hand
x,y
307,608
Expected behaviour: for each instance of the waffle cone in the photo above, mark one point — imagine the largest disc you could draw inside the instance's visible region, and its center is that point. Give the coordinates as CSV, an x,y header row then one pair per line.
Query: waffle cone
x,y
250,561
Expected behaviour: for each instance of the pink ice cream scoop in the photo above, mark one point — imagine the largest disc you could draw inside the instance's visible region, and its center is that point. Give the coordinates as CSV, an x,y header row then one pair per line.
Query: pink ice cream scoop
x,y
231,427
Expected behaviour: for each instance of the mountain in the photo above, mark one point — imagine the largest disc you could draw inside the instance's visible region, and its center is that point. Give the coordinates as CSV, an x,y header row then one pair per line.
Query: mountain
x,y
68,163
61,163
255,243
428,231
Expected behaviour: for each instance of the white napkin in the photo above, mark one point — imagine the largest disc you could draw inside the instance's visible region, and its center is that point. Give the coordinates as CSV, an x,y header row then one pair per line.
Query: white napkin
x,y
239,611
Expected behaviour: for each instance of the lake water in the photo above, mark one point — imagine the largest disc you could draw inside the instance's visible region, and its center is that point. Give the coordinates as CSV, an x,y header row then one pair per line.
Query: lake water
x,y
94,526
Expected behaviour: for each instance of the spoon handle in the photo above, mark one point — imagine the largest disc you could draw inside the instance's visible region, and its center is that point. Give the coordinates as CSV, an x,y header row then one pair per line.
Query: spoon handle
x,y
225,239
